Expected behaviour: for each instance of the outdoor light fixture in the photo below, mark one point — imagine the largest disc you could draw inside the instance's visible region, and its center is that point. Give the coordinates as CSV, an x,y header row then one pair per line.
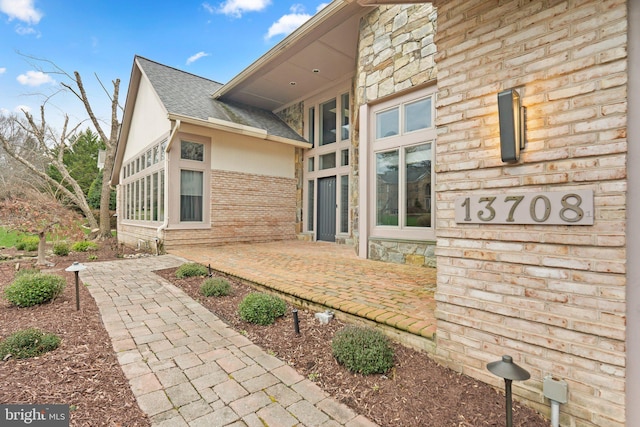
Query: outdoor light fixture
x,y
76,267
511,117
508,370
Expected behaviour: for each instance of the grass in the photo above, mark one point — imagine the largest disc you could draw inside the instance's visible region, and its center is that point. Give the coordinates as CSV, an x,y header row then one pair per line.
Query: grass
x,y
9,238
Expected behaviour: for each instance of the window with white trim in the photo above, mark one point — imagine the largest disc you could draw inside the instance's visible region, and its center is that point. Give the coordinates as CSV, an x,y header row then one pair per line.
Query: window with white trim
x,y
401,154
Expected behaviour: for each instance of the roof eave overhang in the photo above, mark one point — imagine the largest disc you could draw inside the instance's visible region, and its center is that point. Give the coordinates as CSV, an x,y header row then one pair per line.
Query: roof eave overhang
x,y
289,42
238,129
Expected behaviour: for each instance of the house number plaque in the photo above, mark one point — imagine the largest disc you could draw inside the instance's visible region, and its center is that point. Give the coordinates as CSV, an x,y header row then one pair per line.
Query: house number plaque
x,y
547,208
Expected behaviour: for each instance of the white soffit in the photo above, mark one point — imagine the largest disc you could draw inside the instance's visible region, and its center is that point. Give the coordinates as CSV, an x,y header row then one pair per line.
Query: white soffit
x,y
328,46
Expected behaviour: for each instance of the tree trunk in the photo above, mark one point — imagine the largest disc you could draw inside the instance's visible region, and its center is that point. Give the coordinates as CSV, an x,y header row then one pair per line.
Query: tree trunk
x,y
42,246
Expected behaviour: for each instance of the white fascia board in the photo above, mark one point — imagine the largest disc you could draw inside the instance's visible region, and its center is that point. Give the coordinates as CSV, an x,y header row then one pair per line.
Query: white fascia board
x,y
223,125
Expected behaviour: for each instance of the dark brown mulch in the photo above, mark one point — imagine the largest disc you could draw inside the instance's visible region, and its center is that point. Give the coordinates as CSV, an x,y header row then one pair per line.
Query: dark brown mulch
x,y
416,392
84,371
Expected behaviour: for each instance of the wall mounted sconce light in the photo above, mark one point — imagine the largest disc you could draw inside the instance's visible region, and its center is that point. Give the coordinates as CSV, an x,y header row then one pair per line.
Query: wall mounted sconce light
x,y
511,117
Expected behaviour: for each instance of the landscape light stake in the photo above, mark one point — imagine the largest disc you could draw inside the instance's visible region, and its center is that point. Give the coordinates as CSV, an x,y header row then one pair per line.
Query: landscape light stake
x,y
508,370
76,267
210,273
296,322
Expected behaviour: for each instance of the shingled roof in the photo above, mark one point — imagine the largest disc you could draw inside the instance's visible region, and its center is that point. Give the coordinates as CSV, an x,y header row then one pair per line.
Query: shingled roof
x,y
189,95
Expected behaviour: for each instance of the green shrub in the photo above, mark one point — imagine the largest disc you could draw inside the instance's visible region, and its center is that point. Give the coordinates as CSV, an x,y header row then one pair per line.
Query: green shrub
x,y
191,269
61,248
84,246
363,350
28,243
25,271
262,309
215,287
28,343
35,288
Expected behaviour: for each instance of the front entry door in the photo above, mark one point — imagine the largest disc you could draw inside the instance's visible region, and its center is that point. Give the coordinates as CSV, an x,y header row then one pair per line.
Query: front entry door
x,y
327,209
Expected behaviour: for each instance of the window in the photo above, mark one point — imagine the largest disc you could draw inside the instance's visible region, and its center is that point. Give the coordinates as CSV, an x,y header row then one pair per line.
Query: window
x,y
191,151
310,204
191,195
401,152
143,195
344,98
344,158
344,204
328,122
312,126
327,161
311,162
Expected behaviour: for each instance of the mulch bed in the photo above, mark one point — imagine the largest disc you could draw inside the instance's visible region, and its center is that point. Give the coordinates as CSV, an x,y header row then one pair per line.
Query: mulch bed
x,y
84,372
416,392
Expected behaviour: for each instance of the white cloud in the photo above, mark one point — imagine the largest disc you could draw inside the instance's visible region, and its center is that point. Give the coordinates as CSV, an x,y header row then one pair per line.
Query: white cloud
x,y
22,10
21,108
34,78
236,8
194,58
3,70
288,23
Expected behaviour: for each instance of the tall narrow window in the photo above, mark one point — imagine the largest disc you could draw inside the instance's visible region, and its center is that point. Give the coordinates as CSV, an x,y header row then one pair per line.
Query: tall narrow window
x,y
310,205
161,202
344,125
387,175
154,199
418,186
344,204
328,122
312,126
147,200
191,195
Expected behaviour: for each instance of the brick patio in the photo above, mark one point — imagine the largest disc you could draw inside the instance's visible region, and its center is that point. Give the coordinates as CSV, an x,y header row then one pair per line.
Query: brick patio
x,y
398,297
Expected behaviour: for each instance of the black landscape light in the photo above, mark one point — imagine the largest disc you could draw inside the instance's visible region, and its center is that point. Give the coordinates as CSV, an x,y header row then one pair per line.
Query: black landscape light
x,y
296,322
508,370
76,267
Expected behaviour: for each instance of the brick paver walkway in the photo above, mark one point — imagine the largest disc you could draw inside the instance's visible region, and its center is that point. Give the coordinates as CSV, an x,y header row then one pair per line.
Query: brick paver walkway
x,y
186,367
398,295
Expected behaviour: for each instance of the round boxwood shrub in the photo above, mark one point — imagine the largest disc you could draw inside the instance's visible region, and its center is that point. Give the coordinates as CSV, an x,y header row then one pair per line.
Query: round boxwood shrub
x,y
84,246
262,309
61,248
363,350
34,288
28,343
215,287
191,269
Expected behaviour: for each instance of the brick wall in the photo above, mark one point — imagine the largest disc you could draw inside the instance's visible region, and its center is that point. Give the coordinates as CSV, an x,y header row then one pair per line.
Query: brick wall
x,y
553,297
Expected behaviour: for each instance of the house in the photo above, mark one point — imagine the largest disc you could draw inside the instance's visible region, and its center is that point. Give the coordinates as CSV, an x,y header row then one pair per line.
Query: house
x,y
377,125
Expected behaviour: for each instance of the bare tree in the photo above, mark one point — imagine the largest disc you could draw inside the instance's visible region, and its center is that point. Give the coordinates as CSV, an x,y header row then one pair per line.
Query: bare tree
x,y
52,147
110,143
76,86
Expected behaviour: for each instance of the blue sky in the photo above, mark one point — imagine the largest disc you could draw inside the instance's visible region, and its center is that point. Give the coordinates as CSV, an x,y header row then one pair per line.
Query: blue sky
x,y
215,39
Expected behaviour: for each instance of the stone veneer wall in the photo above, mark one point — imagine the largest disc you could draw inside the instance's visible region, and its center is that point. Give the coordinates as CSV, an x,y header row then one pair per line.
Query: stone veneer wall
x,y
396,53
294,117
553,297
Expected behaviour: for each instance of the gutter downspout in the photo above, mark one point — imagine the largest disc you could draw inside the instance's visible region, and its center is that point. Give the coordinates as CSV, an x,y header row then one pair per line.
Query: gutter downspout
x,y
165,223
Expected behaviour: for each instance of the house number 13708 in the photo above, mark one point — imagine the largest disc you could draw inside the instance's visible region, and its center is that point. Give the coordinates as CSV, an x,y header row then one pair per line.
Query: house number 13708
x,y
568,208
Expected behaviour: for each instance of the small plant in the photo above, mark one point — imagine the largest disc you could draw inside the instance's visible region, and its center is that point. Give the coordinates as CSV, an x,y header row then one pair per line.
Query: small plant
x,y
191,269
362,350
28,244
61,248
262,309
92,257
84,246
215,287
26,271
27,343
34,288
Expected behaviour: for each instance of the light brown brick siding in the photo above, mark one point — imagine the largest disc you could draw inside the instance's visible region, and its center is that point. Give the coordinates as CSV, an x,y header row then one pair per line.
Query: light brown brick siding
x,y
553,297
244,208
